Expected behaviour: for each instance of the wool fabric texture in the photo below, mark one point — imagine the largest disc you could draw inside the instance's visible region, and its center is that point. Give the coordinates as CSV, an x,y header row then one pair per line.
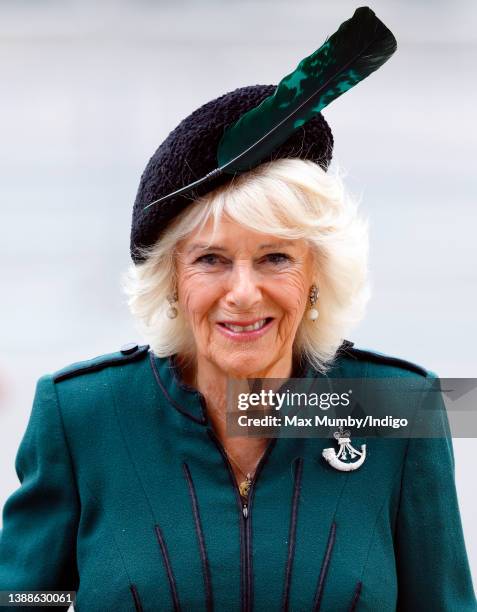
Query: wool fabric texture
x,y
128,498
190,151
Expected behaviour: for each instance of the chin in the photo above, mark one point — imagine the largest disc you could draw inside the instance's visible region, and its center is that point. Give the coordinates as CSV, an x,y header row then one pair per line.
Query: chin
x,y
245,366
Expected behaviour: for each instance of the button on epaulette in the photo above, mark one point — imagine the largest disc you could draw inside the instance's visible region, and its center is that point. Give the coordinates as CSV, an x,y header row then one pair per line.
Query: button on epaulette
x,y
364,354
128,352
129,348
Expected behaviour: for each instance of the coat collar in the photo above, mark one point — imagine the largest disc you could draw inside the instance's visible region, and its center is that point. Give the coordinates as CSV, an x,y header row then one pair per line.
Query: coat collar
x,y
188,401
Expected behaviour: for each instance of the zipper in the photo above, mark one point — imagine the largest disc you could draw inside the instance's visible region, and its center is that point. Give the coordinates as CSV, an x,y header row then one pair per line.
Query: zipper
x,y
245,522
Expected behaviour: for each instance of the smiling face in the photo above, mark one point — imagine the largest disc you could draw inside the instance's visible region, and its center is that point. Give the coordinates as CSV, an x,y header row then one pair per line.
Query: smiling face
x,y
243,296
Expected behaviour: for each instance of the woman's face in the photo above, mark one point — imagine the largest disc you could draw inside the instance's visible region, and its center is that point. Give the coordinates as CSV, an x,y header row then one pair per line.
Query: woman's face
x,y
244,296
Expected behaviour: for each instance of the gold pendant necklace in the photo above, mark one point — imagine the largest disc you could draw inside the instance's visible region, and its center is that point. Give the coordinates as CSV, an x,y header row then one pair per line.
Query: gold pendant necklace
x,y
245,485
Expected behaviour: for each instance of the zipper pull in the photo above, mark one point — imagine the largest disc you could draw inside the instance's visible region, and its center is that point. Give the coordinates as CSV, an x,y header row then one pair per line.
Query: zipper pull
x,y
245,511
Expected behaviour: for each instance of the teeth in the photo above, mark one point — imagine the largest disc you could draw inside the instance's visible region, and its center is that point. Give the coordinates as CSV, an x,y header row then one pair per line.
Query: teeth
x,y
245,328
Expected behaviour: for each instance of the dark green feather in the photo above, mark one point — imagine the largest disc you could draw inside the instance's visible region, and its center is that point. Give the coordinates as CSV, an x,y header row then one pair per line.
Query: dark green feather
x,y
359,47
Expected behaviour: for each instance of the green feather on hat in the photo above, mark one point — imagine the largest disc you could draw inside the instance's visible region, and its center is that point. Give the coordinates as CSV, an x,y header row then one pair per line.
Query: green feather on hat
x,y
360,46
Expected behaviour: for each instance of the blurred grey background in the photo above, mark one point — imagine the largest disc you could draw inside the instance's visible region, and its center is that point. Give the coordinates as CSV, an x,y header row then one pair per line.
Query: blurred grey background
x,y
89,89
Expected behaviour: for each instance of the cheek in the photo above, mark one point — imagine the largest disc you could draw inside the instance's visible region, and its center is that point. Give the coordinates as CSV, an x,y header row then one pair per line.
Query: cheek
x,y
290,294
196,295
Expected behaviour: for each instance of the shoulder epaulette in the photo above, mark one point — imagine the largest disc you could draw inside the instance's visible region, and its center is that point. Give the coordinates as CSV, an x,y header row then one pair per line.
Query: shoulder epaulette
x,y
127,353
347,348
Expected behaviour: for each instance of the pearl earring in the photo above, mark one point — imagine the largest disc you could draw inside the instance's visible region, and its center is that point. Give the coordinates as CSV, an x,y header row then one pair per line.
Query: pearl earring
x,y
172,311
312,313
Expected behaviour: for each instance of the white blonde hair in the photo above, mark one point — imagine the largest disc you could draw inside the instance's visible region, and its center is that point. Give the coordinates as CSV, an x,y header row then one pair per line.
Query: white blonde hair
x,y
290,198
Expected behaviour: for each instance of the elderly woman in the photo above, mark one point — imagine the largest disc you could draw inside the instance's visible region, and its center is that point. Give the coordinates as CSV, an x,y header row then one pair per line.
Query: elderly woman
x,y
132,492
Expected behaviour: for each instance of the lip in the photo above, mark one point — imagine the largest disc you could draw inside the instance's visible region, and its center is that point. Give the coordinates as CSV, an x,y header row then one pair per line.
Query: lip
x,y
244,323
248,335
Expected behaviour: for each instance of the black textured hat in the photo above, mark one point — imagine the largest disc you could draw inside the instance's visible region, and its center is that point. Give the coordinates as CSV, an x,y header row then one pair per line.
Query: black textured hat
x,y
190,152
252,125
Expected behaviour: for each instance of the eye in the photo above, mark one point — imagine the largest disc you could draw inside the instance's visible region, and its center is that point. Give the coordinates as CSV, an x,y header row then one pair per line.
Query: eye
x,y
208,259
278,258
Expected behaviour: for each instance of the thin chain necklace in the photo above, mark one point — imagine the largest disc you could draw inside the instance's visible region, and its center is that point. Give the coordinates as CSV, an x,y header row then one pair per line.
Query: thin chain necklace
x,y
245,485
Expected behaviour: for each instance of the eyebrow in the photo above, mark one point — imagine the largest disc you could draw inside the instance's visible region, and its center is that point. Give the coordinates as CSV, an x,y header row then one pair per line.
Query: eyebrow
x,y
217,247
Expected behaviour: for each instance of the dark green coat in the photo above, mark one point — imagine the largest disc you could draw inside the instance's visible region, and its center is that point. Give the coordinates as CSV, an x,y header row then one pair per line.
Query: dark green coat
x,y
127,497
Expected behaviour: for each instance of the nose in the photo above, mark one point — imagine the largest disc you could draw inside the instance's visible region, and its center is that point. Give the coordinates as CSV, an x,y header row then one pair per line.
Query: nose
x,y
243,290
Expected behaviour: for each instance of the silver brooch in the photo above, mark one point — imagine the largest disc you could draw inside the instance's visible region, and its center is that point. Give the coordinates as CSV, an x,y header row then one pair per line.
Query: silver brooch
x,y
339,460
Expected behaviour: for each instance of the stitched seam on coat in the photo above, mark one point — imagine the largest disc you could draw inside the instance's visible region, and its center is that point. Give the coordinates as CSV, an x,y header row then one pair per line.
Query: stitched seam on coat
x,y
200,537
112,390
292,531
110,531
243,584
67,444
248,526
356,596
167,563
137,600
372,537
404,464
73,476
324,567
333,522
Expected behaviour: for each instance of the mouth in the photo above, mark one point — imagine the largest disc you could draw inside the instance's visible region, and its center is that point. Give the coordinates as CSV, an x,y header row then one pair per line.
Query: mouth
x,y
245,329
